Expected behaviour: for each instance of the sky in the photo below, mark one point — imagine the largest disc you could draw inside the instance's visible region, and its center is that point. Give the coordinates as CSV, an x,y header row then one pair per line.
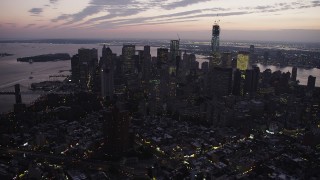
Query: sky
x,y
252,20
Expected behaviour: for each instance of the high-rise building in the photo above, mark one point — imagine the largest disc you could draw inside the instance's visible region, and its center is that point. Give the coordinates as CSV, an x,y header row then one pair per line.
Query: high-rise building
x,y
311,82
162,56
83,67
236,90
294,73
107,72
226,59
128,51
146,63
242,60
256,78
253,56
174,50
75,69
215,38
116,129
215,43
221,81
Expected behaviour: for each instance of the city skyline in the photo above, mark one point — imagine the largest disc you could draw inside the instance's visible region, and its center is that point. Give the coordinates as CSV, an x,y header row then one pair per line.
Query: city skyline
x,y
239,20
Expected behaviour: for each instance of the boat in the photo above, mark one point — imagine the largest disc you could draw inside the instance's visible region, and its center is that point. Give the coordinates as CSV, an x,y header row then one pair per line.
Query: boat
x,y
30,61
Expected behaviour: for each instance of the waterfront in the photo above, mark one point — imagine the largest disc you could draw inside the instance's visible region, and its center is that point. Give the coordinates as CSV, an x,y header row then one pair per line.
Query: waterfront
x,y
12,72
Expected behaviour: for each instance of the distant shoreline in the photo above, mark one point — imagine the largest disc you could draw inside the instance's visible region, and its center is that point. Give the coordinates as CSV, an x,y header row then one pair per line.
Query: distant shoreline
x,y
45,58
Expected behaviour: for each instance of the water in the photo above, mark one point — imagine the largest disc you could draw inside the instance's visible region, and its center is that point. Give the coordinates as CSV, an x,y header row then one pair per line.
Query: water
x,y
302,74
12,72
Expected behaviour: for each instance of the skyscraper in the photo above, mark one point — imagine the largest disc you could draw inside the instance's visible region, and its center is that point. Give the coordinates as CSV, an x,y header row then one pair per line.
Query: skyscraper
x,y
107,72
236,83
75,69
146,63
128,51
216,60
215,38
311,82
221,81
174,50
242,60
116,129
83,67
162,56
226,59
253,56
294,74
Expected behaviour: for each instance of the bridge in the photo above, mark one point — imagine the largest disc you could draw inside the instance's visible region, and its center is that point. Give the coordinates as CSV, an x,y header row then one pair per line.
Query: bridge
x,y
16,93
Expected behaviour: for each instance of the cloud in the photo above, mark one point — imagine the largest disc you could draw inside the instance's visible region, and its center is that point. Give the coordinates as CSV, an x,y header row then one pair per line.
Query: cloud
x,y
122,12
29,25
53,1
36,11
13,25
115,8
182,3
88,11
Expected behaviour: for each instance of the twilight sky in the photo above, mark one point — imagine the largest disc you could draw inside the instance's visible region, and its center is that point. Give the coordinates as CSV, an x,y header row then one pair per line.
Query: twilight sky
x,y
273,20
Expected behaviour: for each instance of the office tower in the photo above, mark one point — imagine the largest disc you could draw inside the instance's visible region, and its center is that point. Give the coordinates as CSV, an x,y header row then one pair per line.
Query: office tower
x,y
174,50
236,83
162,56
146,64
251,80
84,67
107,73
138,59
226,59
248,82
215,38
116,130
311,82
215,61
221,81
253,56
255,78
294,73
75,69
128,51
242,60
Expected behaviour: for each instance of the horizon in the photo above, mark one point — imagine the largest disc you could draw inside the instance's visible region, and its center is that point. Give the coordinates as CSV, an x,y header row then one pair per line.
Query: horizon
x,y
280,21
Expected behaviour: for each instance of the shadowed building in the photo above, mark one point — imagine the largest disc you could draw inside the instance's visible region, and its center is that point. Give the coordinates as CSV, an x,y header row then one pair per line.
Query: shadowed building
x,y
116,129
311,82
128,51
294,74
83,67
107,72
226,59
221,81
146,64
162,56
